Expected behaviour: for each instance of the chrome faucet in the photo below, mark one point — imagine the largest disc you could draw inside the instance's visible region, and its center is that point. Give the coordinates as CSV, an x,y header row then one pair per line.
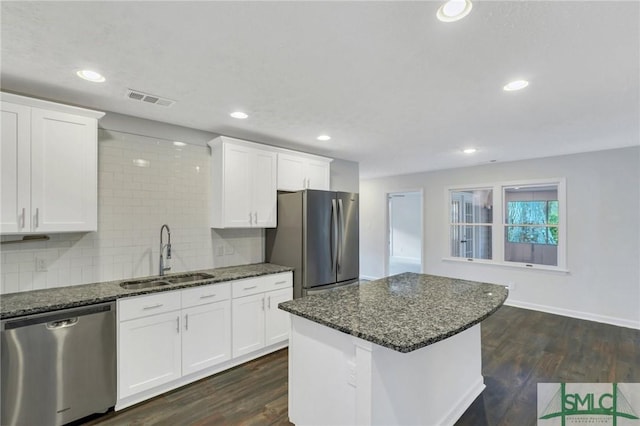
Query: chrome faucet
x,y
163,269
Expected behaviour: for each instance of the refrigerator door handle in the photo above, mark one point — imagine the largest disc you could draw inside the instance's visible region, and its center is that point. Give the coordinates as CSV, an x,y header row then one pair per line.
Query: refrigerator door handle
x,y
341,232
334,232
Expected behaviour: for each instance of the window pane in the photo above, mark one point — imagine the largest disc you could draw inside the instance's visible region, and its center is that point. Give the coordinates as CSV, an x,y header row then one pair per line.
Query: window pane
x,y
531,218
527,212
532,234
471,242
533,253
553,213
472,206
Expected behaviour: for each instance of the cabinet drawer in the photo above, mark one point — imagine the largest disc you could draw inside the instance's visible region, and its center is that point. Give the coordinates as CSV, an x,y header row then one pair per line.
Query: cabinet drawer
x,y
142,306
277,281
205,294
247,287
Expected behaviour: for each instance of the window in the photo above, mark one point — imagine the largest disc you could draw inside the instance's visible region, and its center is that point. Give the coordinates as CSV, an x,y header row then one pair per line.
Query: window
x,y
471,223
529,223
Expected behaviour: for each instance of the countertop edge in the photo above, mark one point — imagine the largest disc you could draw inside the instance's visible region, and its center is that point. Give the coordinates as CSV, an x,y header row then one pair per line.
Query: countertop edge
x,y
109,291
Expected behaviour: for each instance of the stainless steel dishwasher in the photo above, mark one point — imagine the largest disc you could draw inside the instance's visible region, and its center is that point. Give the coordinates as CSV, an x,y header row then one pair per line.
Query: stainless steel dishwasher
x,y
59,366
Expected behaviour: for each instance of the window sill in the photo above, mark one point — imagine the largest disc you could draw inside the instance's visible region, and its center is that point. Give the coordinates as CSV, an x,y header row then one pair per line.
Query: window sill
x,y
508,264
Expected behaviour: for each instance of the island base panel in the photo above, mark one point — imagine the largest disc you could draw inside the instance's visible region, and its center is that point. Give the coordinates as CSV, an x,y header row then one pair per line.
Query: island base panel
x,y
339,379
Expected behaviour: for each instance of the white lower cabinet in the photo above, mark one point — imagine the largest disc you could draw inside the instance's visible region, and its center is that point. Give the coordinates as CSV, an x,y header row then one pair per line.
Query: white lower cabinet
x,y
166,336
169,339
248,324
206,340
277,324
149,353
257,321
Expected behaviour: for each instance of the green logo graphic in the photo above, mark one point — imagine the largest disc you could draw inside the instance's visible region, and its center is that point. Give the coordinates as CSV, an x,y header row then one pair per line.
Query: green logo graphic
x,y
587,400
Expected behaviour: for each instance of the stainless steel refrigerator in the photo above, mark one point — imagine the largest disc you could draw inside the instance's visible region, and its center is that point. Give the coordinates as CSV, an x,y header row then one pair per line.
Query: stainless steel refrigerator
x,y
317,235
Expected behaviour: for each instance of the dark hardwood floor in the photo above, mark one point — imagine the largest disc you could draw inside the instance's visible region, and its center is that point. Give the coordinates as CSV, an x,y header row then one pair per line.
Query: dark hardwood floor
x,y
520,348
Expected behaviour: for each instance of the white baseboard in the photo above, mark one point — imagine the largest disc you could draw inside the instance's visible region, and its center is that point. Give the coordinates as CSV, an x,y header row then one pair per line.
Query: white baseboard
x,y
464,403
621,322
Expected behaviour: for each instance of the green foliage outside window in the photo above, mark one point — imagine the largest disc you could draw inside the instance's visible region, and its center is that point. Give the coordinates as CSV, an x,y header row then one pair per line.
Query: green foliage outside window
x,y
529,222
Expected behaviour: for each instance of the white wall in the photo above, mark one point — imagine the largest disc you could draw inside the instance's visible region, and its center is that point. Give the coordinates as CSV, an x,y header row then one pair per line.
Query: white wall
x,y
603,211
133,203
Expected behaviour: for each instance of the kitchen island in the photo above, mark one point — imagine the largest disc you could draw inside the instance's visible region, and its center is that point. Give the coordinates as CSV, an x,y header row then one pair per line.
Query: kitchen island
x,y
402,350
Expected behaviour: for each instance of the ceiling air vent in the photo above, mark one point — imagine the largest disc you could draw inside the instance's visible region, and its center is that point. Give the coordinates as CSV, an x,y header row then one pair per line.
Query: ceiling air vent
x,y
137,95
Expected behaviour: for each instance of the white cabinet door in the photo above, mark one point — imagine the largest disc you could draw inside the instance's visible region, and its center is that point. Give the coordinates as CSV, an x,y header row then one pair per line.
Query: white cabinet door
x,y
206,338
15,160
64,172
318,175
238,186
149,352
248,324
244,187
291,173
297,172
264,190
277,321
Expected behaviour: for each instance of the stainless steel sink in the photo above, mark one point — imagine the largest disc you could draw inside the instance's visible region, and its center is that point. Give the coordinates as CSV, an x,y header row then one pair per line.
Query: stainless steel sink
x,y
187,278
156,282
139,284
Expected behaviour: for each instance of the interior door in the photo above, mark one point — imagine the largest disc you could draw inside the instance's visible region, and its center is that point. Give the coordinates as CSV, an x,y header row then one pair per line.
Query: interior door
x,y
320,238
405,232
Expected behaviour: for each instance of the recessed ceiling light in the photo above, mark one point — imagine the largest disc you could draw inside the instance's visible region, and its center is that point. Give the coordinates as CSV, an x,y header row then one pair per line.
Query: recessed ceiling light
x,y
176,143
516,85
469,150
239,114
324,137
454,10
89,75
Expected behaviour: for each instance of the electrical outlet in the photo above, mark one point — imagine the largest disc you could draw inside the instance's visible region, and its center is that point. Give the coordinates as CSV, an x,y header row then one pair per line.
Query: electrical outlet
x,y
219,250
41,264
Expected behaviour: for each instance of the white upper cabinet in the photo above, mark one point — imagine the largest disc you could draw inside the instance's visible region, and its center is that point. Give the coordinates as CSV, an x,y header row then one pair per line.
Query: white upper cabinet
x,y
300,171
244,192
49,162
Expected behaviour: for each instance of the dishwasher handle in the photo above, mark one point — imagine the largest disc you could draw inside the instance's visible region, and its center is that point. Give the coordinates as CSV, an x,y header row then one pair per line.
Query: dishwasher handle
x,y
69,322
57,319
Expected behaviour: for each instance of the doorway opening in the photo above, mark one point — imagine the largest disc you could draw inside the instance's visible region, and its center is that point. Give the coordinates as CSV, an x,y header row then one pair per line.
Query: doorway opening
x,y
404,252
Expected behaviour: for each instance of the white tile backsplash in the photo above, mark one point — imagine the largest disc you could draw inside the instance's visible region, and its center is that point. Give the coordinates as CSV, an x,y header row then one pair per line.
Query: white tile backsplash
x,y
133,203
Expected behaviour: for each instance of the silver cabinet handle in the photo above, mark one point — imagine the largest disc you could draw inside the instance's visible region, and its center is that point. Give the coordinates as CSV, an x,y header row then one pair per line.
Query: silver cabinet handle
x,y
308,182
23,218
250,219
263,303
269,303
37,218
186,321
207,296
157,305
249,288
178,324
304,183
280,282
255,222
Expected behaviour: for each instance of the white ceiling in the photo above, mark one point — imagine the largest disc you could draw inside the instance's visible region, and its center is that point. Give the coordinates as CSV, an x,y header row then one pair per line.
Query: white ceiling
x,y
398,90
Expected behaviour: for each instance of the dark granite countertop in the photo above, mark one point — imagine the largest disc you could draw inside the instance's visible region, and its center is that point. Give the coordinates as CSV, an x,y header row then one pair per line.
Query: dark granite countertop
x,y
38,301
404,312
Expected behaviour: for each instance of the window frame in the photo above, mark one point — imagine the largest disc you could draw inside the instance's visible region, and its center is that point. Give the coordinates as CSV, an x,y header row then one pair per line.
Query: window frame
x,y
499,224
471,224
